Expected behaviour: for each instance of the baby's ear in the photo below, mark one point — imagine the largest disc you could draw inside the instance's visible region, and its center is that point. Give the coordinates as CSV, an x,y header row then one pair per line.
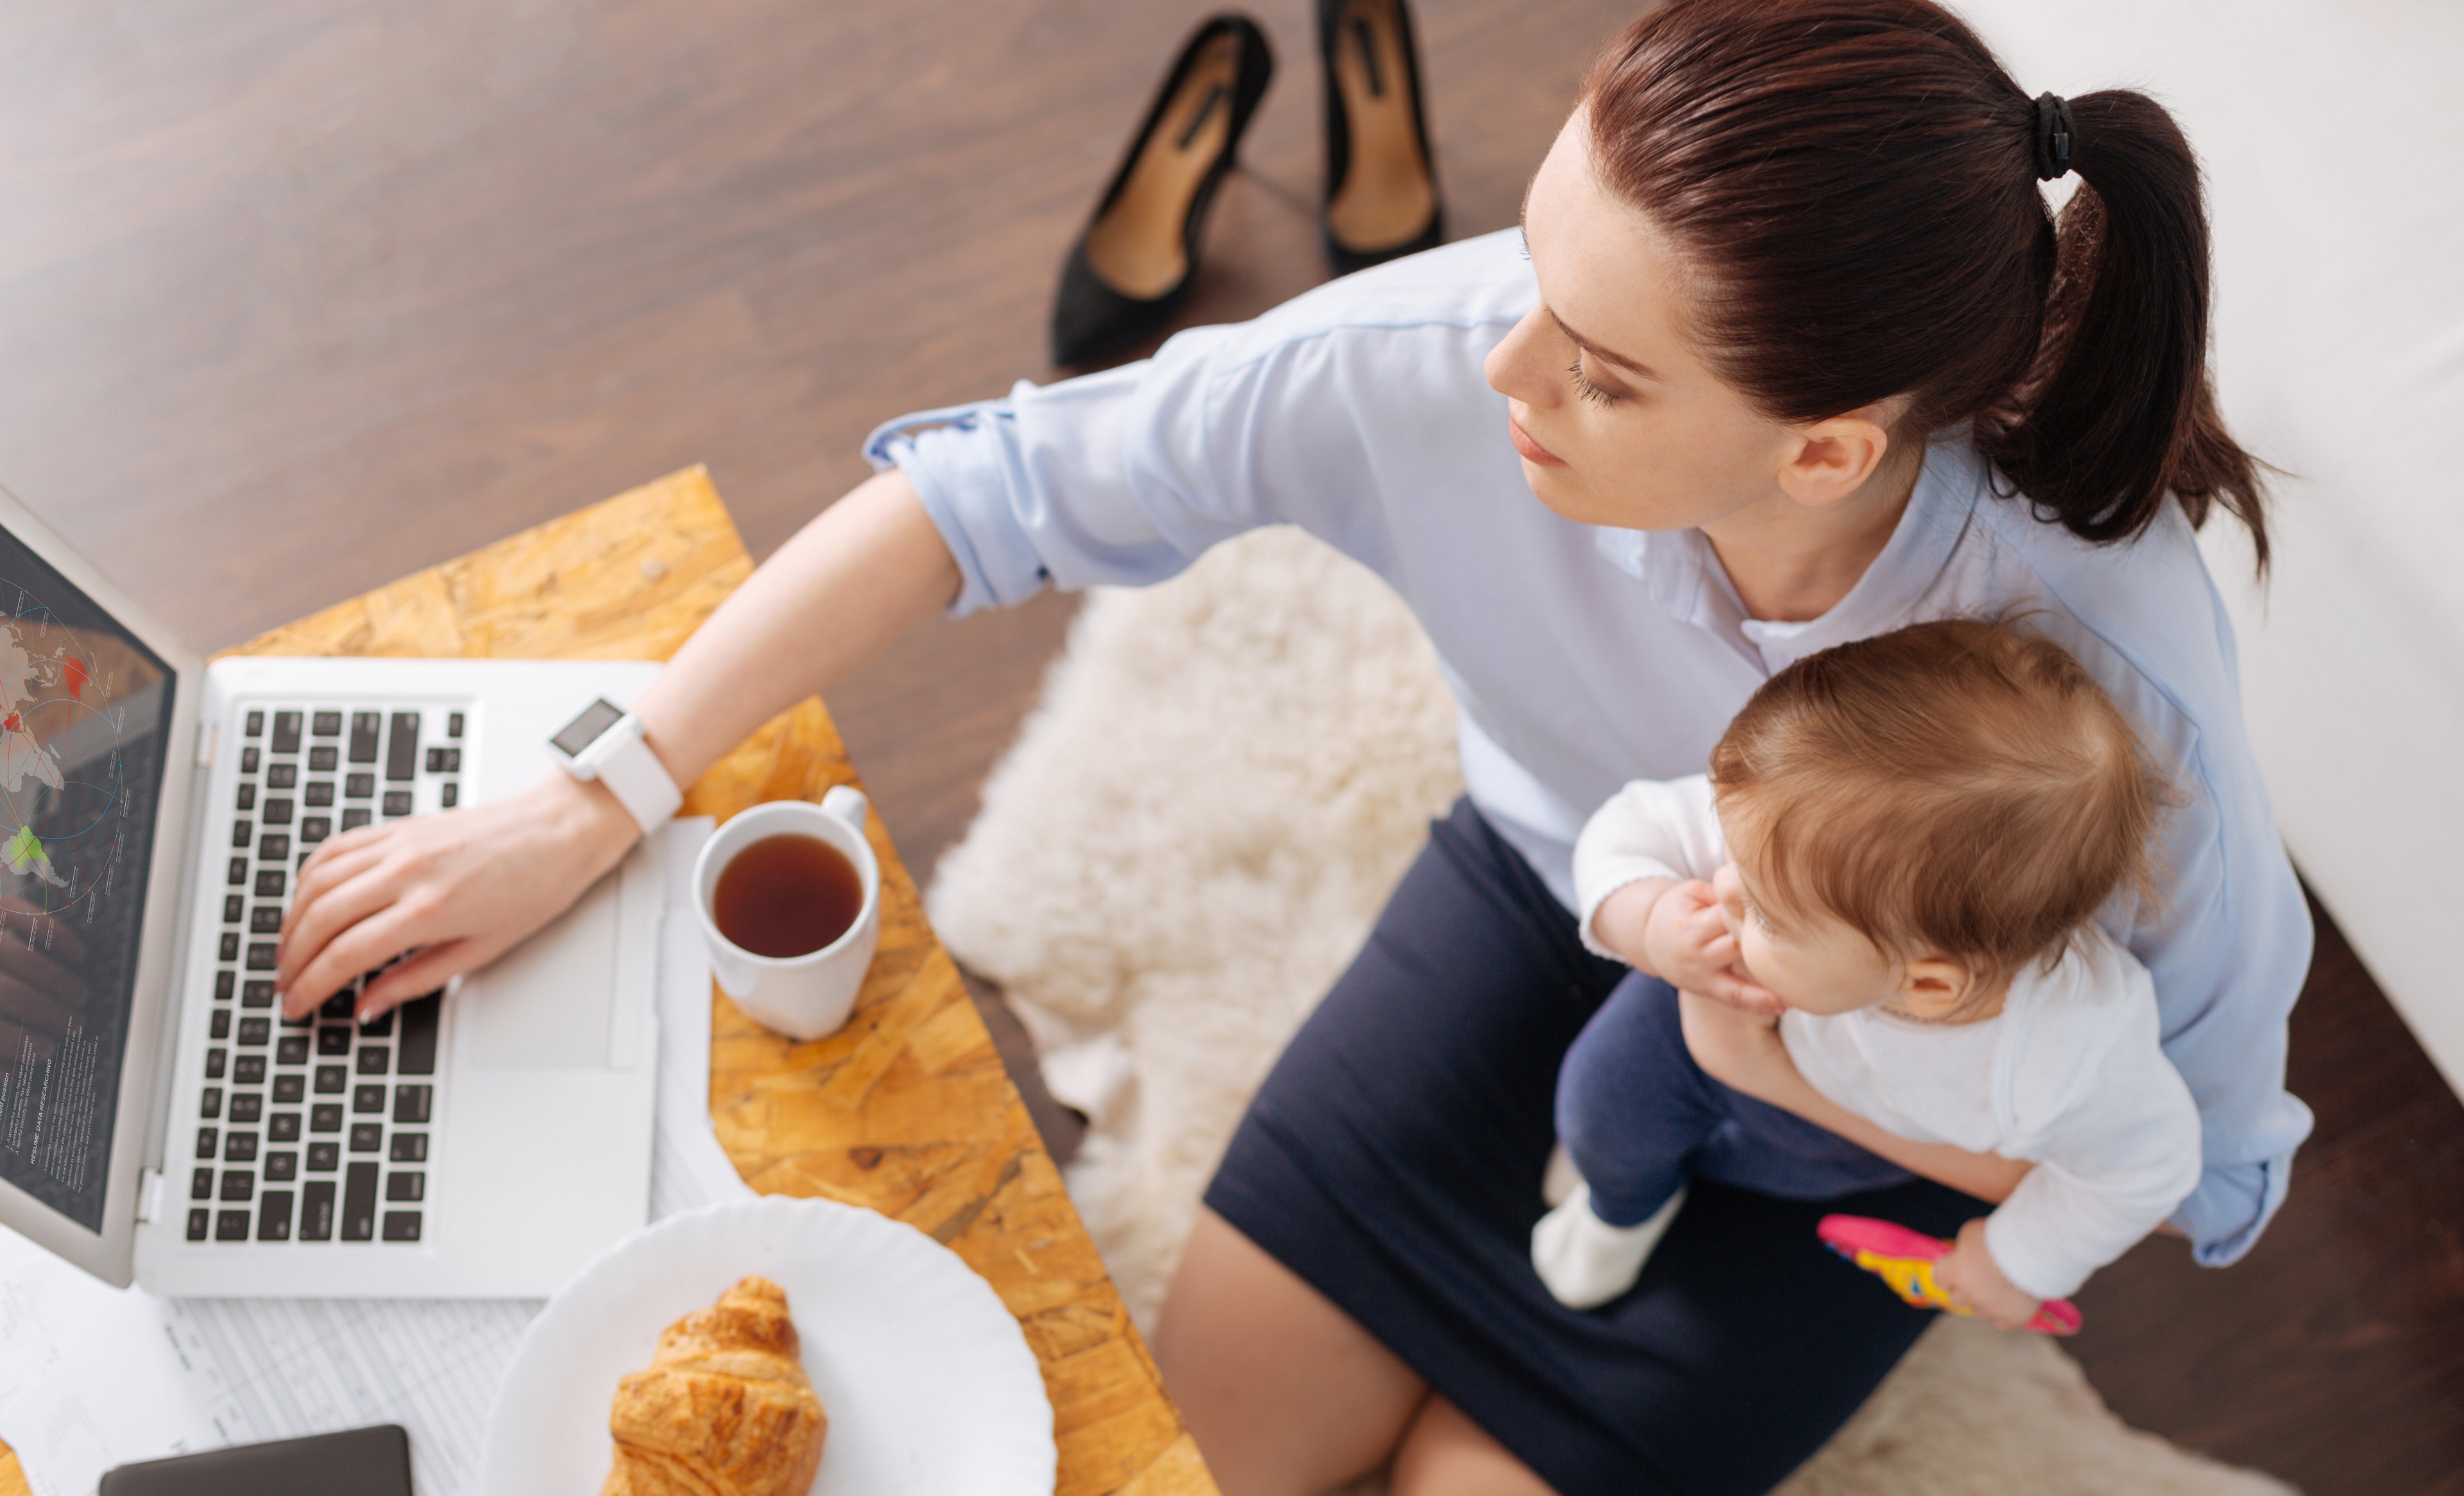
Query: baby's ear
x,y
1936,986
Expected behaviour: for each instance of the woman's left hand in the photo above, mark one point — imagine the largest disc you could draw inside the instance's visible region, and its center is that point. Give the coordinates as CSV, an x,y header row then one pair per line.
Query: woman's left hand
x,y
1969,1275
1745,1054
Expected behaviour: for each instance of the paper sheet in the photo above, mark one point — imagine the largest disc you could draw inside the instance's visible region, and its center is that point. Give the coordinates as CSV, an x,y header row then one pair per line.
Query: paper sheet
x,y
688,1168
93,1378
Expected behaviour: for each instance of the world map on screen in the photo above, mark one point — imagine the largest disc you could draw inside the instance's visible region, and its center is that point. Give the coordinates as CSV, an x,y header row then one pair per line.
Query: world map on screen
x,y
85,711
31,688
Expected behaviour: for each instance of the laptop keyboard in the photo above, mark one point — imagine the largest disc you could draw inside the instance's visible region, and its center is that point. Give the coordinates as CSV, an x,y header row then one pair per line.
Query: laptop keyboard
x,y
316,1130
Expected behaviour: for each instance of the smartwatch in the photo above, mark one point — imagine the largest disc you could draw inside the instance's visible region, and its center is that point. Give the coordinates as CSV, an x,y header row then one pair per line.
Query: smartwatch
x,y
605,744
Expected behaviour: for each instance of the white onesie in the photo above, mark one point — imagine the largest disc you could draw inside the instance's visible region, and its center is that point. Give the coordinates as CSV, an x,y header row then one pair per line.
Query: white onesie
x,y
2069,1076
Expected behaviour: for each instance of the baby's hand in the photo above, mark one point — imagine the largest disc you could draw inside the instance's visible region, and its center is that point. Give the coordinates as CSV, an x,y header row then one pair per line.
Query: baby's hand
x,y
1968,1273
1687,944
1617,925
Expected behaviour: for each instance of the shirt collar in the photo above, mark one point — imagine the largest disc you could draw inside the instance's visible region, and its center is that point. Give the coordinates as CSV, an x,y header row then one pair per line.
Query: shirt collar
x,y
1685,580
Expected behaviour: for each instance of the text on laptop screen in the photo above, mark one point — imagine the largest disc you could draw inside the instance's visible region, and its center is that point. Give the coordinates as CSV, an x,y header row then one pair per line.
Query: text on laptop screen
x,y
84,709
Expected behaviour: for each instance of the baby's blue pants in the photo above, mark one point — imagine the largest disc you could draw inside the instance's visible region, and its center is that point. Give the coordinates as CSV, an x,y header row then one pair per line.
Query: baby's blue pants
x,y
1641,1118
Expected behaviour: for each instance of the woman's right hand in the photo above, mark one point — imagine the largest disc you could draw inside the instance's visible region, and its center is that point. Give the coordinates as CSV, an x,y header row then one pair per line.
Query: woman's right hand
x,y
454,891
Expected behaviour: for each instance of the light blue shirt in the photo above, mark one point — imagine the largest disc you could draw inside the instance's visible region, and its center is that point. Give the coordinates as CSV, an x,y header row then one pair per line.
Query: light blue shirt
x,y
1583,657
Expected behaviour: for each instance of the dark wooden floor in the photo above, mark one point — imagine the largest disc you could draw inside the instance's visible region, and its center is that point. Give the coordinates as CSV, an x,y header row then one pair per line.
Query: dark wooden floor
x,y
297,295
2333,1355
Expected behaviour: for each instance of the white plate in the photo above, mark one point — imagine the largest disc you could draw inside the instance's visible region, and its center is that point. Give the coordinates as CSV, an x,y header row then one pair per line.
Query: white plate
x,y
928,1381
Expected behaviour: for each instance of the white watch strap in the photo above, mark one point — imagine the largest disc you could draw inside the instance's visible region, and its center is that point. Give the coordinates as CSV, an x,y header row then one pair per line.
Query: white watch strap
x,y
634,775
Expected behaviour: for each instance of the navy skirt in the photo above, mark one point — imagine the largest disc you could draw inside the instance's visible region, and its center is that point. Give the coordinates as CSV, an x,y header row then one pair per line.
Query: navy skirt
x,y
1393,1160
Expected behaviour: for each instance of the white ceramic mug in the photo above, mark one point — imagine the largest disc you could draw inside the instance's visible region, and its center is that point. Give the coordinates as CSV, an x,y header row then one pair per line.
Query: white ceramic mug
x,y
806,996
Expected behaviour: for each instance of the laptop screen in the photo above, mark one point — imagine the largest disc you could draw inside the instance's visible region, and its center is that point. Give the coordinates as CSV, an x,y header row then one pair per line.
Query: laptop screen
x,y
84,710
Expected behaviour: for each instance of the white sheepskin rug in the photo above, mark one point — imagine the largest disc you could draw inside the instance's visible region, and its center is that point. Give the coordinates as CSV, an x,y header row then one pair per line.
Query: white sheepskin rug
x,y
1229,774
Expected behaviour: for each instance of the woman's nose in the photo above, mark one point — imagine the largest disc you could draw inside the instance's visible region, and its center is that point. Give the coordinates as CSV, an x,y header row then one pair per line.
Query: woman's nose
x,y
1515,367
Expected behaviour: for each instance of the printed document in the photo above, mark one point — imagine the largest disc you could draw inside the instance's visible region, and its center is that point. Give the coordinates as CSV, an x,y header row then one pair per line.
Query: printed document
x,y
92,1377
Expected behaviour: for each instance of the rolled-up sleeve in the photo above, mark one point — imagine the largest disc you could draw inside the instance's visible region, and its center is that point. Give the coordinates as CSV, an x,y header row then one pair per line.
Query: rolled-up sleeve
x,y
1032,491
1125,476
2233,1204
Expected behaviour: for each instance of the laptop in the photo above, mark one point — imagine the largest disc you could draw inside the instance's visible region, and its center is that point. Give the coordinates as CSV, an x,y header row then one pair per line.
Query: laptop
x,y
161,1121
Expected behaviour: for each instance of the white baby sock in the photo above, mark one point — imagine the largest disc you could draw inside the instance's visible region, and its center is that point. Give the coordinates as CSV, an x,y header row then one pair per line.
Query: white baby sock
x,y
1586,1261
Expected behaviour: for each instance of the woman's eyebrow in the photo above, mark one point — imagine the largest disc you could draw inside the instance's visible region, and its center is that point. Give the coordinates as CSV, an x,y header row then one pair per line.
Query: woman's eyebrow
x,y
1634,366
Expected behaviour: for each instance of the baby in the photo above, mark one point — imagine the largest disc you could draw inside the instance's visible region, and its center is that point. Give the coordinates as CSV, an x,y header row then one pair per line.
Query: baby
x,y
1904,841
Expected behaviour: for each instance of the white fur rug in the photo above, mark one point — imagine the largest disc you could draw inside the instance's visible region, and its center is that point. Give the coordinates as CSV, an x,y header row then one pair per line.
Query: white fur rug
x,y
1229,774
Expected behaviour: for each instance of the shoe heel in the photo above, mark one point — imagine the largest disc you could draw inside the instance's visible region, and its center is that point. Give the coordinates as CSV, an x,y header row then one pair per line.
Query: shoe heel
x,y
1382,192
1131,267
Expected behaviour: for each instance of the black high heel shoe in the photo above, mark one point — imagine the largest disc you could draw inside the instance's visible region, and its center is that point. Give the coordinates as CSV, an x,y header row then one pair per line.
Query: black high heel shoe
x,y
1131,269
1382,188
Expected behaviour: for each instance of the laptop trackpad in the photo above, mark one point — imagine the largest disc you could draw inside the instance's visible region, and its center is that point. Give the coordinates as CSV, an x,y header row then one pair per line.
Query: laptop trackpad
x,y
546,1004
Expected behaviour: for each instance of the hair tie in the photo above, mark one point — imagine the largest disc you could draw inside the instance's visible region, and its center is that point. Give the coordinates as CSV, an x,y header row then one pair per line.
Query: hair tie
x,y
2056,138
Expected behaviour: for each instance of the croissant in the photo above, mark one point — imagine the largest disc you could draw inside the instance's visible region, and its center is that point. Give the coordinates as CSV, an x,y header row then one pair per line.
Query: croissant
x,y
724,1408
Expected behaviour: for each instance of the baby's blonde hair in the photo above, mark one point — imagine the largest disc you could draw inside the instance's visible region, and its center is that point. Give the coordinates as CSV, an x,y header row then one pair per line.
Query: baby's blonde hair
x,y
1957,789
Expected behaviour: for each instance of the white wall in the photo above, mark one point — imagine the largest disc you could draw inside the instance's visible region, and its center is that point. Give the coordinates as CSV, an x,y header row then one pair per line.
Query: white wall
x,y
2333,137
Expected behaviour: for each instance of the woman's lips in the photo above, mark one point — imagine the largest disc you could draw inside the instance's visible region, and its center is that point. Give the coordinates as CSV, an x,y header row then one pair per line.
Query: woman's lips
x,y
1531,451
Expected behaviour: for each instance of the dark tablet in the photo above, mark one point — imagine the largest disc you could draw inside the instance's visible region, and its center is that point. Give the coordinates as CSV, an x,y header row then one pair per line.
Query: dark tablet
x,y
363,1462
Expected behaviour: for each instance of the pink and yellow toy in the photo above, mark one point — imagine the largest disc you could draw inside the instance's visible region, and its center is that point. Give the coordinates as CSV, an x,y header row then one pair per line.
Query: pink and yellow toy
x,y
1904,1260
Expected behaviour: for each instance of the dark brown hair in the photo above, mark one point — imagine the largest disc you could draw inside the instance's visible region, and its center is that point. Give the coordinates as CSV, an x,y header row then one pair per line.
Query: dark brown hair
x,y
1957,787
1853,186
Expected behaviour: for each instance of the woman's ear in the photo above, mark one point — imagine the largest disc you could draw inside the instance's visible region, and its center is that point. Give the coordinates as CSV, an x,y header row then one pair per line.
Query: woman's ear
x,y
1831,459
1936,986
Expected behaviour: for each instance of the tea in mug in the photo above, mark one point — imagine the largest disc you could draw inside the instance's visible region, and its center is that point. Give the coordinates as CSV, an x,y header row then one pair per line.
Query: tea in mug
x,y
786,895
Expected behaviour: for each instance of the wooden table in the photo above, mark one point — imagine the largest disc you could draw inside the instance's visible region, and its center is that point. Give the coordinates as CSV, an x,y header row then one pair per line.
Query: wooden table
x,y
907,1109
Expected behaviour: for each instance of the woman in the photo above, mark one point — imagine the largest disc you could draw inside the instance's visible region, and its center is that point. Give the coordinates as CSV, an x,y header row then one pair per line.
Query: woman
x,y
1796,357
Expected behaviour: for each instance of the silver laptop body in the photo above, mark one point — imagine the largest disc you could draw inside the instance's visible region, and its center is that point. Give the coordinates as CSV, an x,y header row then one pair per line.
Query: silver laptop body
x,y
160,1121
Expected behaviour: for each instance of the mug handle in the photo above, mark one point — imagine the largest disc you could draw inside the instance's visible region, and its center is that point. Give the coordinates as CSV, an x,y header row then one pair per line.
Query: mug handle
x,y
847,803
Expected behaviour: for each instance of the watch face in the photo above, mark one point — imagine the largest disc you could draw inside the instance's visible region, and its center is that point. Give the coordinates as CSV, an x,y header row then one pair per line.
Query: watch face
x,y
585,730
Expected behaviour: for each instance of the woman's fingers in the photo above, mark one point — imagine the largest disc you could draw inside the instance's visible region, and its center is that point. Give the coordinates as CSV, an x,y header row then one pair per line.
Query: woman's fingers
x,y
351,841
311,919
334,910
375,930
360,947
346,882
425,970
301,974
325,872
322,876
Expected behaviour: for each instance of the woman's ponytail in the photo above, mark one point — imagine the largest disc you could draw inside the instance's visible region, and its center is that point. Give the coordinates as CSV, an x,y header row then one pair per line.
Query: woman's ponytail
x,y
2118,410
1855,187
